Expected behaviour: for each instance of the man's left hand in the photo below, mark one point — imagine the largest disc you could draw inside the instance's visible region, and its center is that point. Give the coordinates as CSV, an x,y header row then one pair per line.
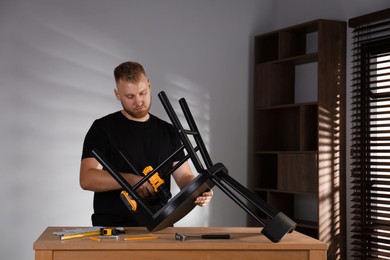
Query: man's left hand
x,y
204,199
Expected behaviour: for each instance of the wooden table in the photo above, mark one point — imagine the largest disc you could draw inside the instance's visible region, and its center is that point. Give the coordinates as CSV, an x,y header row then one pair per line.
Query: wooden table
x,y
245,243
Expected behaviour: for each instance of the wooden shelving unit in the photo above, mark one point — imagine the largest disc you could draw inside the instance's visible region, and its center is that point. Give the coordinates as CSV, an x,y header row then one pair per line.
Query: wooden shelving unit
x,y
299,127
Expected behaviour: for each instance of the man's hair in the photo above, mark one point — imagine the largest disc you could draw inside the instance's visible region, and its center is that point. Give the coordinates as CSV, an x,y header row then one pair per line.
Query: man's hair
x,y
129,71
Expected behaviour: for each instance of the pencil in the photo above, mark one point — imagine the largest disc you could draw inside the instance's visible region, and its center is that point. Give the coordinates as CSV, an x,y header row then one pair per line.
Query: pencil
x,y
77,235
139,238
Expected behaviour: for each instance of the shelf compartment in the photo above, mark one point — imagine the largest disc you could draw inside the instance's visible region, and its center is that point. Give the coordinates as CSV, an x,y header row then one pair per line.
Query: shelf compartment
x,y
287,43
309,127
311,232
282,202
297,41
295,60
264,196
305,81
267,48
296,207
277,129
266,164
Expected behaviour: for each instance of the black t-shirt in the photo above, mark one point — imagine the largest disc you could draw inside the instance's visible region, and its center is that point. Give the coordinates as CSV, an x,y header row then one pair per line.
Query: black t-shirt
x,y
143,143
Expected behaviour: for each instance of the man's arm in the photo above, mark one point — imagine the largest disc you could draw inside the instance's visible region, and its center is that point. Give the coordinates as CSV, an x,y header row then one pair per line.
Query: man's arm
x,y
183,176
94,178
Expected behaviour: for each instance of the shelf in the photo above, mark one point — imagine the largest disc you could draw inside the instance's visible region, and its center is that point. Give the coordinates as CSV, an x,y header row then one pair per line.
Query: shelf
x,y
287,106
266,163
286,128
298,140
295,60
260,152
269,42
294,205
277,129
285,172
294,44
282,191
278,84
307,224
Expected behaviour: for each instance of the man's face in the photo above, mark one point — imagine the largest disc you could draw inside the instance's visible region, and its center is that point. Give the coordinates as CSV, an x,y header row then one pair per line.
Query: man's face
x,y
135,98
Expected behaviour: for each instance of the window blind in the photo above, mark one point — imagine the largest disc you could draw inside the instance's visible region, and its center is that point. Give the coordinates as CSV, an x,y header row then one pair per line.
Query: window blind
x,y
370,148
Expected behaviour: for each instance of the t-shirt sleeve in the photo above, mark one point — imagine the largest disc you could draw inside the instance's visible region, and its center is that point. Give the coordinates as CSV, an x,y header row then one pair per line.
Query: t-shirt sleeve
x,y
95,138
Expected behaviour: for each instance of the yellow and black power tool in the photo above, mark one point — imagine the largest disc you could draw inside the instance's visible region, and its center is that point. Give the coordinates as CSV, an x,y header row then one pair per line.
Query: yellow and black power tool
x,y
158,185
129,202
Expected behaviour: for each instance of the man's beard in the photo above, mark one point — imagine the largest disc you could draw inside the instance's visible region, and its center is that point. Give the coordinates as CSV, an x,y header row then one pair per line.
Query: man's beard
x,y
138,114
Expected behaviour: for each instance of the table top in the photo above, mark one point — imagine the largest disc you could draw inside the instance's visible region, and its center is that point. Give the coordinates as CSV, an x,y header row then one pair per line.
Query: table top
x,y
241,238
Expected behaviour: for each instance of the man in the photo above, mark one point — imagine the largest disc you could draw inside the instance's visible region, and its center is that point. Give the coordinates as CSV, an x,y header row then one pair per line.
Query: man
x,y
145,139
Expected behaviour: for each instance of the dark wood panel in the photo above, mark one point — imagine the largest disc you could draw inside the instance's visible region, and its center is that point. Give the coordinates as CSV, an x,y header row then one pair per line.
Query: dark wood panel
x,y
298,172
274,84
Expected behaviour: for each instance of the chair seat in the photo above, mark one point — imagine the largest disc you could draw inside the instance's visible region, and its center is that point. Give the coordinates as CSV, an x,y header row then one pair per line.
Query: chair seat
x,y
181,204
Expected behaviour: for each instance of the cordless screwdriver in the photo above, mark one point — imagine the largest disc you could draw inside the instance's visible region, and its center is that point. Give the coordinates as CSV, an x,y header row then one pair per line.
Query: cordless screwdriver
x,y
158,185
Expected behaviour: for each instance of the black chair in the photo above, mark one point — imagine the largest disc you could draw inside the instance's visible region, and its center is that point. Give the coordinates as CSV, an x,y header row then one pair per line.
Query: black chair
x,y
209,175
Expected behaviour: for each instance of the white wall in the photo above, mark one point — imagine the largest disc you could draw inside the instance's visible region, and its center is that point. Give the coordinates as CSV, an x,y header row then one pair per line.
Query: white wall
x,y
306,10
56,62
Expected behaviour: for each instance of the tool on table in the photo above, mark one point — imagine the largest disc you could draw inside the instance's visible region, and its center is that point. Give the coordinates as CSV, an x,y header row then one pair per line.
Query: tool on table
x,y
108,231
104,232
140,238
182,237
104,237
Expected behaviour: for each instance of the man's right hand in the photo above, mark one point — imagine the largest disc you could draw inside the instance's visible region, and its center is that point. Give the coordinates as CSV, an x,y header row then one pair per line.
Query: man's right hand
x,y
94,178
145,190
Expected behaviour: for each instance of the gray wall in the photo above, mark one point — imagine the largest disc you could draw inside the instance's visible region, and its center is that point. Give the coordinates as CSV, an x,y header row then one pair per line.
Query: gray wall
x,y
56,61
